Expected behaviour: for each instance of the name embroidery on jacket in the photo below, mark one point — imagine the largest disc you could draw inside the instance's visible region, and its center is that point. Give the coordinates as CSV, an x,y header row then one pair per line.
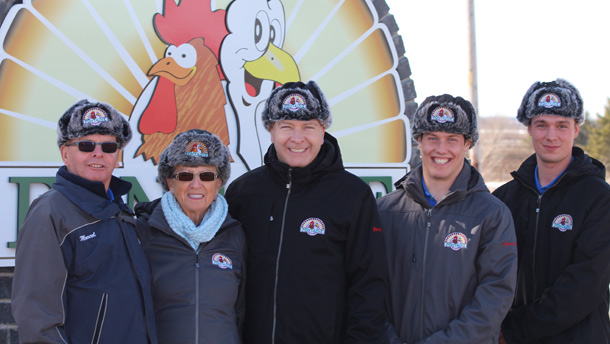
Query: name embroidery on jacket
x,y
456,241
222,261
313,226
563,222
87,237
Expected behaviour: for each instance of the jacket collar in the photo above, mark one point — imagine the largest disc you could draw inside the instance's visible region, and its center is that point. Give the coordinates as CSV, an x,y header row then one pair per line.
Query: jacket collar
x,y
581,165
91,196
469,180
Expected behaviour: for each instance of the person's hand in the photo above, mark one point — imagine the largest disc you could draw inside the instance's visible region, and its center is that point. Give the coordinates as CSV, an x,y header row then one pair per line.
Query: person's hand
x,y
501,340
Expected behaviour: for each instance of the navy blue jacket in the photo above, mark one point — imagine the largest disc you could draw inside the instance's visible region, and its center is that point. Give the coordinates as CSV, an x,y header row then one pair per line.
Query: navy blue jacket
x,y
81,275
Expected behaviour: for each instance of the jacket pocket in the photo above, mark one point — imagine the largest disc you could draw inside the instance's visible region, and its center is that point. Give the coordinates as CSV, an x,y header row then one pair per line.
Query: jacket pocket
x,y
101,315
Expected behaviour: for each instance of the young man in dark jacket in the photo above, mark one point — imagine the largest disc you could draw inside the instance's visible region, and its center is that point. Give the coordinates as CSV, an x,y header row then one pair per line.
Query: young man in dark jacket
x,y
450,244
80,273
316,272
559,201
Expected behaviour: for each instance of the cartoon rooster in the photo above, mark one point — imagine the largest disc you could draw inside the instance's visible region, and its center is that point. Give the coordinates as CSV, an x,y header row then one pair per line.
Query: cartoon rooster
x,y
187,91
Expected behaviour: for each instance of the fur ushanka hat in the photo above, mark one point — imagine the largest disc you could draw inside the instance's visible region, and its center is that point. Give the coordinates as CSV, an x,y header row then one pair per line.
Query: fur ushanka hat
x,y
297,101
194,147
448,114
557,97
84,118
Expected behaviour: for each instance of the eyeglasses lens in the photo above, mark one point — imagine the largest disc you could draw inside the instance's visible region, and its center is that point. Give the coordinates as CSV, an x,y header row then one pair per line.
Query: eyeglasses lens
x,y
89,146
188,176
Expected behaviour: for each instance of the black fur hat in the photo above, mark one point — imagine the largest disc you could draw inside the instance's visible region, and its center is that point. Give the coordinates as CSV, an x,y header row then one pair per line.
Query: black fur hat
x,y
446,113
194,147
84,118
297,101
557,97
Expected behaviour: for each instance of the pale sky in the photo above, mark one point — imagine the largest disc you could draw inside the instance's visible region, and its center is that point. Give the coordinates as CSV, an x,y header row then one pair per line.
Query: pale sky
x,y
518,42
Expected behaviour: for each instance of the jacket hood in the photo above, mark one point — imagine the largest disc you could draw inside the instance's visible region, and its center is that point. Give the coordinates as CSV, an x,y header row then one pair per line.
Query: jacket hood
x,y
328,159
469,180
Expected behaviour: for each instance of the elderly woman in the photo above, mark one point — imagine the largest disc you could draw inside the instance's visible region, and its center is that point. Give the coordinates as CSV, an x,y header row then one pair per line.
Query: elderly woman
x,y
196,251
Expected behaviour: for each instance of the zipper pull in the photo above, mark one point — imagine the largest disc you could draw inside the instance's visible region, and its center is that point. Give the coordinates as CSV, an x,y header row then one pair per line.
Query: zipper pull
x,y
289,178
414,260
197,260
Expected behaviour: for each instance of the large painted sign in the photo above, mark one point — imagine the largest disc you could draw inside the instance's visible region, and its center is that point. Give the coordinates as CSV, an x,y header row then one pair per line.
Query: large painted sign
x,y
170,66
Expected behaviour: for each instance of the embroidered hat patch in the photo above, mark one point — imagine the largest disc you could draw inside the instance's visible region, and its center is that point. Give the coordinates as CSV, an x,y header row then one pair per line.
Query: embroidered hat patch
x,y
563,222
197,148
549,100
222,261
456,241
94,116
294,102
442,114
313,226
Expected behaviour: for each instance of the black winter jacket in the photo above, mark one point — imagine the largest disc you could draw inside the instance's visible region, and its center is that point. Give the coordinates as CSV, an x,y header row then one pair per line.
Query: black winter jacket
x,y
197,300
563,241
315,252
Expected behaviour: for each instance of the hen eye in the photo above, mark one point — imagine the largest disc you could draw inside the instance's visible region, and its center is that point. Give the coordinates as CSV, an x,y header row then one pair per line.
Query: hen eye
x,y
261,31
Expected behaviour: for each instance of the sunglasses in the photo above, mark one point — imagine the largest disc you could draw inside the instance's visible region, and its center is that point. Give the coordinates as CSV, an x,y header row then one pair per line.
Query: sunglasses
x,y
188,176
89,146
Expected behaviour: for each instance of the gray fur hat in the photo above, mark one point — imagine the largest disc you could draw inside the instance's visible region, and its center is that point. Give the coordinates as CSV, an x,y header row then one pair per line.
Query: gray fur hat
x,y
297,101
84,118
194,147
557,97
446,113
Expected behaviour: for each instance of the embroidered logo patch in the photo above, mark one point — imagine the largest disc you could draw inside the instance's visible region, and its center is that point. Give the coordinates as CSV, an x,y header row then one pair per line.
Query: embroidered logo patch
x,y
549,100
222,261
294,102
563,222
456,241
313,226
442,115
197,148
94,116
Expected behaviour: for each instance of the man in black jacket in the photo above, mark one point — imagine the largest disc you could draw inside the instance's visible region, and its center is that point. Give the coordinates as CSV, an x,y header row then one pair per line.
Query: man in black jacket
x,y
559,201
316,270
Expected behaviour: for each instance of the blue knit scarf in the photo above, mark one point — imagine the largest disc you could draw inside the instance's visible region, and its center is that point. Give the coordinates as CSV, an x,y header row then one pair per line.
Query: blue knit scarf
x,y
185,227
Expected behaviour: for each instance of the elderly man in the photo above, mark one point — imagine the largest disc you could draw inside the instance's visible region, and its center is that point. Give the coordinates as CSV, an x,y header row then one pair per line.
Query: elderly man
x,y
315,248
559,201
80,274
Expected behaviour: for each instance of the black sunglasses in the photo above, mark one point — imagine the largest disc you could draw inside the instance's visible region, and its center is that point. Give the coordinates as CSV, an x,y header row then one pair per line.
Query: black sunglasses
x,y
188,176
89,146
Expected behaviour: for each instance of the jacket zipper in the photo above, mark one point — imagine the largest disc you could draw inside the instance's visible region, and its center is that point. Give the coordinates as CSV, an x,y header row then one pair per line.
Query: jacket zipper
x,y
279,251
423,283
101,315
197,296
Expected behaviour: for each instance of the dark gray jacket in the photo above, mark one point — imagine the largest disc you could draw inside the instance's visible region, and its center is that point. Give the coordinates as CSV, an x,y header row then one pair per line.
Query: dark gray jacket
x,y
197,300
452,266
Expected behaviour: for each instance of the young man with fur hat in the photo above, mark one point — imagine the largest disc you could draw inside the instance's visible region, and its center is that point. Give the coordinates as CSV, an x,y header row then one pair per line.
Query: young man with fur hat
x,y
81,275
451,246
559,201
316,272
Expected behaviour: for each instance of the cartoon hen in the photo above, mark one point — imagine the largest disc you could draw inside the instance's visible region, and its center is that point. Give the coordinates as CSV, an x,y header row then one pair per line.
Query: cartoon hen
x,y
187,90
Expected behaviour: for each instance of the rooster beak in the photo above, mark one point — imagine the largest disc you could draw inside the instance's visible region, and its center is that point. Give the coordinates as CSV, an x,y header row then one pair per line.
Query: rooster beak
x,y
169,69
276,65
